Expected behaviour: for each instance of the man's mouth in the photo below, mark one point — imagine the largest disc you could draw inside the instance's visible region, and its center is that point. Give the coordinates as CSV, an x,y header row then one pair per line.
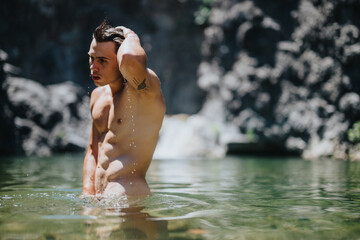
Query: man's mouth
x,y
95,77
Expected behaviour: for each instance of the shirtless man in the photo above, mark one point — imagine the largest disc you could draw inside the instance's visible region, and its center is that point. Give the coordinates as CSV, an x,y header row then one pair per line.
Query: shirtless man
x,y
127,110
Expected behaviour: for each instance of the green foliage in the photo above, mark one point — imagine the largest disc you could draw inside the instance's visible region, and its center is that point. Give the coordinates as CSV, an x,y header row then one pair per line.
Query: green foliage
x,y
203,13
60,134
251,136
354,133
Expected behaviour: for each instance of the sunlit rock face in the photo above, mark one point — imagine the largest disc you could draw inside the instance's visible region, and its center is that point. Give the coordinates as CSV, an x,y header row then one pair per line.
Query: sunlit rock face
x,y
286,71
42,120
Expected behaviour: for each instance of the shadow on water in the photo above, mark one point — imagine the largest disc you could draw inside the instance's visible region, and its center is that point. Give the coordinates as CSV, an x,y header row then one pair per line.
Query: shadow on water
x,y
121,219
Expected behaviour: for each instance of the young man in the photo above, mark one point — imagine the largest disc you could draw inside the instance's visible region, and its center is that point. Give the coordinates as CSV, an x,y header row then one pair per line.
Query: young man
x,y
127,110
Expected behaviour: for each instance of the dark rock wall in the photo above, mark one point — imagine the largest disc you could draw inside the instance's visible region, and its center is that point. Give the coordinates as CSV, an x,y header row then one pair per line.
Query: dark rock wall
x,y
7,139
49,41
286,71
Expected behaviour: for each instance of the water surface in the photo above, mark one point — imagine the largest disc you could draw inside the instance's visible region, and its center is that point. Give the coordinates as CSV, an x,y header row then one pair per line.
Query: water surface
x,y
231,198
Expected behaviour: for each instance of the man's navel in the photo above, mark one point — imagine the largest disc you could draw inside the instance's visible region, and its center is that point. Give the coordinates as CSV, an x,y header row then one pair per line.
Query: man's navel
x,y
119,121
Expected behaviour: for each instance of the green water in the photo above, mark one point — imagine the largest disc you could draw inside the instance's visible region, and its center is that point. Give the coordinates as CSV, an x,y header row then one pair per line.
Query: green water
x,y
231,198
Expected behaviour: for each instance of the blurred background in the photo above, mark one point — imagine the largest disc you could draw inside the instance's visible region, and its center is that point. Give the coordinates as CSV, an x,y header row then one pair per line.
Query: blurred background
x,y
238,77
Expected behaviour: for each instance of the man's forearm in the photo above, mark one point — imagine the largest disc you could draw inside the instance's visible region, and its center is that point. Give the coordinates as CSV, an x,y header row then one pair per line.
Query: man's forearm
x,y
89,173
131,51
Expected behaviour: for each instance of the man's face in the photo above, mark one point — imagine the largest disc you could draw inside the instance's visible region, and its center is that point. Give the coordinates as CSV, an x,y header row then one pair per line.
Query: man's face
x,y
103,63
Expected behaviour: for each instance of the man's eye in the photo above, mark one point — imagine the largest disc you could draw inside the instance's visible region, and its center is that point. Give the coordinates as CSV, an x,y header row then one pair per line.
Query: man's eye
x,y
102,61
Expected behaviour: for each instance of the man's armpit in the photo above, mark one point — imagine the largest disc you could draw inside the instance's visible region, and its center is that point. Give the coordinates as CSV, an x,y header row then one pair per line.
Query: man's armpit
x,y
141,85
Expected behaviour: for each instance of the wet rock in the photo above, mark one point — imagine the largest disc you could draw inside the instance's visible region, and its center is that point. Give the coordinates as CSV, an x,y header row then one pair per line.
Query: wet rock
x,y
318,148
295,145
350,104
72,132
31,138
210,75
295,87
30,100
336,127
43,120
250,120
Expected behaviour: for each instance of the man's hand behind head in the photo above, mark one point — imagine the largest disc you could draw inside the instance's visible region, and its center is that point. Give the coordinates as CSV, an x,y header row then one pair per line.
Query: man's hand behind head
x,y
117,34
106,33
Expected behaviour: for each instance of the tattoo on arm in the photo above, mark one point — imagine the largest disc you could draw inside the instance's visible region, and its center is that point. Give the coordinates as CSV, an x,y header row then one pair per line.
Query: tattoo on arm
x,y
141,85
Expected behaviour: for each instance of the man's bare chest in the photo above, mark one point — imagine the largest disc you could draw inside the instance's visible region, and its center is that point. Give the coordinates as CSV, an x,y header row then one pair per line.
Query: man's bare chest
x,y
114,114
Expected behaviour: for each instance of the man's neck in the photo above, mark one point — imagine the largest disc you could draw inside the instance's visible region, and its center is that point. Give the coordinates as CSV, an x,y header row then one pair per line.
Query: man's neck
x,y
116,86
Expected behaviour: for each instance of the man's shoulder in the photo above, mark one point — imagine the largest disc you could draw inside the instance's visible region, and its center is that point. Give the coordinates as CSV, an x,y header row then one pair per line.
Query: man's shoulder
x,y
152,73
97,93
155,89
154,82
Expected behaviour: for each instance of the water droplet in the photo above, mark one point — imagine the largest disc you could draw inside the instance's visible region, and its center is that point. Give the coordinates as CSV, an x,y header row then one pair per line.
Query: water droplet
x,y
130,182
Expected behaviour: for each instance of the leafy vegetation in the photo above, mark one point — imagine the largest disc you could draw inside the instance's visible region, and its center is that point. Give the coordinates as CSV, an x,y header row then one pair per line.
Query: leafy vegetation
x,y
203,13
251,136
354,133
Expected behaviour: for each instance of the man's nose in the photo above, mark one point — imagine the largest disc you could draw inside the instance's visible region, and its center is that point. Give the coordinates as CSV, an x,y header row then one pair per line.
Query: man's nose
x,y
93,66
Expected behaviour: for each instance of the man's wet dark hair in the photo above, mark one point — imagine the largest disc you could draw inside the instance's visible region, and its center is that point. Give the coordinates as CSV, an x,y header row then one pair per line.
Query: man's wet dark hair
x,y
106,33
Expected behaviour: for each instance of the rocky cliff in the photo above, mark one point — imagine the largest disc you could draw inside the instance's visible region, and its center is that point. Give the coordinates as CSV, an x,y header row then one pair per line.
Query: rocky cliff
x,y
286,73
265,78
41,120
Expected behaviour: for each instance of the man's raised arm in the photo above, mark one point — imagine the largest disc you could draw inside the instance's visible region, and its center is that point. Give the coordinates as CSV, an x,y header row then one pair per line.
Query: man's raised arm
x,y
132,61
